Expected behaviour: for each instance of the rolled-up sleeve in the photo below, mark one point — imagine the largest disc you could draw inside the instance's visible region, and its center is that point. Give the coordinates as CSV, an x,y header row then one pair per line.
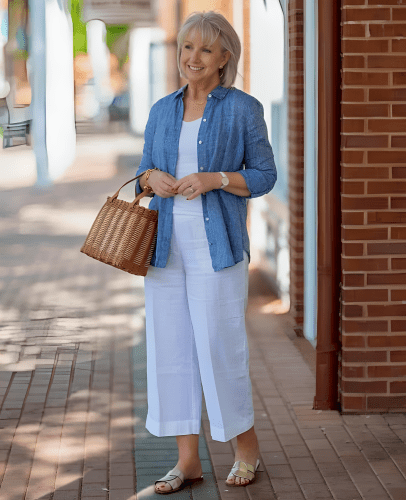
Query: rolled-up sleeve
x,y
260,170
146,161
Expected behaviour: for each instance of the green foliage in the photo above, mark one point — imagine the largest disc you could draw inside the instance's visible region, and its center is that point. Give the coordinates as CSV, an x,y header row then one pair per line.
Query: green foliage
x,y
114,32
79,28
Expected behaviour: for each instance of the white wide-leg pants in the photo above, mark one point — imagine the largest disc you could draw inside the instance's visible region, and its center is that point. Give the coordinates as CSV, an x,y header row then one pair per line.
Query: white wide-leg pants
x,y
195,329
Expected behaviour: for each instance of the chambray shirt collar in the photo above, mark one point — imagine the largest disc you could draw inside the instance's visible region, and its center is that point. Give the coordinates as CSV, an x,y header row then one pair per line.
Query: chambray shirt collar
x,y
219,92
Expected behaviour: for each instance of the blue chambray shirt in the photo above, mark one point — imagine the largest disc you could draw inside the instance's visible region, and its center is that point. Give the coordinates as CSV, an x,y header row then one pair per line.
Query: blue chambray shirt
x,y
232,137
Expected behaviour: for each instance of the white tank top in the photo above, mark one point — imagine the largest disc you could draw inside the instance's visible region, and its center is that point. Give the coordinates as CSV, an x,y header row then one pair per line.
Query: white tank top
x,y
187,164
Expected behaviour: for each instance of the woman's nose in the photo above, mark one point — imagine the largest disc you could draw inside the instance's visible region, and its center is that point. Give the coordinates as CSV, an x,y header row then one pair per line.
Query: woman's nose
x,y
195,56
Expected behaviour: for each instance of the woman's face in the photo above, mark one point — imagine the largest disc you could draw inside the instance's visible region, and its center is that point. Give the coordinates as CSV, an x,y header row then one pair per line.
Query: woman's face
x,y
200,63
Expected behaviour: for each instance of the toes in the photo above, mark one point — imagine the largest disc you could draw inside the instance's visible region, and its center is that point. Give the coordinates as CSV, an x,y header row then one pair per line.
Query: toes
x,y
162,486
237,480
241,480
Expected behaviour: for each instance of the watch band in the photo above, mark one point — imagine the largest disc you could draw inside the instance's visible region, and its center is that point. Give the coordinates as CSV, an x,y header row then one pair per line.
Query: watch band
x,y
223,185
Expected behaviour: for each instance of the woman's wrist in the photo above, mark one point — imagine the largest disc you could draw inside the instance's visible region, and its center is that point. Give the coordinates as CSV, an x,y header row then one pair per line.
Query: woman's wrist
x,y
145,185
215,180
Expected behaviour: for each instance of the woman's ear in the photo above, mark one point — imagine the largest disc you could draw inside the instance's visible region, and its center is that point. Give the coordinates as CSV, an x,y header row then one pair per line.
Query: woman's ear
x,y
227,55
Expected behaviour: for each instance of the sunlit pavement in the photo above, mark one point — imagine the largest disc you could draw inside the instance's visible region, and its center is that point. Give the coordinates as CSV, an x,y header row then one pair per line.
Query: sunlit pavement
x,y
72,351
73,381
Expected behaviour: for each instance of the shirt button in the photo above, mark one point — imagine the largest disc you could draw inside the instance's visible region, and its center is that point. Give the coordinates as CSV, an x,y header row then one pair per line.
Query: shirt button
x,y
201,168
209,95
200,142
204,119
207,218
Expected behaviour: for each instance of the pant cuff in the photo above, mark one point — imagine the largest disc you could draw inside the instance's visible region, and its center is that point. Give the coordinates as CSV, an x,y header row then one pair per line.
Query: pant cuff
x,y
220,434
176,428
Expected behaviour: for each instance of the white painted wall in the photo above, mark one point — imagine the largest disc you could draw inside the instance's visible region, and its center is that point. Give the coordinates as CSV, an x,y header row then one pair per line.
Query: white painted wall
x,y
268,83
267,54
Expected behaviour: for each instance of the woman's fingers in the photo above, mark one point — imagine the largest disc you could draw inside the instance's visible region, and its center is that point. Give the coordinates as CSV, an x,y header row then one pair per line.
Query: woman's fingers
x,y
186,182
190,181
165,185
161,183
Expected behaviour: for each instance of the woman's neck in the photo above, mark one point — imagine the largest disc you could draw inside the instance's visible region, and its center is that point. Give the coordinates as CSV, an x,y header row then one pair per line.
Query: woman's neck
x,y
197,92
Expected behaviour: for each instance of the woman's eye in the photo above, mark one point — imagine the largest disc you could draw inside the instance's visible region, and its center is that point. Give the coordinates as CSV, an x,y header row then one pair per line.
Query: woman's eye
x,y
207,50
187,46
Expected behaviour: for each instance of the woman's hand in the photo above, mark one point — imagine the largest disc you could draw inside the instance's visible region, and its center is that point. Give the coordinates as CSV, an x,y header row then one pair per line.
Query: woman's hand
x,y
161,183
200,183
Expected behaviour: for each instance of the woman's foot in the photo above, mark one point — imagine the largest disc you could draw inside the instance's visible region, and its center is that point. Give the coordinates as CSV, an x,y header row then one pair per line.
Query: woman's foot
x,y
191,470
248,452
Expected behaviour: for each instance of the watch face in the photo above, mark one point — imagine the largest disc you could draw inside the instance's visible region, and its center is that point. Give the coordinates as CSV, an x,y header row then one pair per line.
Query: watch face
x,y
225,181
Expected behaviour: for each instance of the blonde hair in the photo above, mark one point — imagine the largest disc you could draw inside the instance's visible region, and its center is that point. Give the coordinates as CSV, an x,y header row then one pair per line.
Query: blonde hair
x,y
212,25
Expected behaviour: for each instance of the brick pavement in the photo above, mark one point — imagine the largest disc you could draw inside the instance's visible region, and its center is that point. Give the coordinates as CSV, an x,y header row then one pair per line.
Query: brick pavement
x,y
73,388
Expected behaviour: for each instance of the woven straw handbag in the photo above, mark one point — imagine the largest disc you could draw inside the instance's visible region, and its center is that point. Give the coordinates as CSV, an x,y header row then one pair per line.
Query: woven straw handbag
x,y
123,234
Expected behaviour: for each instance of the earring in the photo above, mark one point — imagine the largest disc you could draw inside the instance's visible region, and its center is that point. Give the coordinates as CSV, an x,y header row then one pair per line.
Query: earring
x,y
221,72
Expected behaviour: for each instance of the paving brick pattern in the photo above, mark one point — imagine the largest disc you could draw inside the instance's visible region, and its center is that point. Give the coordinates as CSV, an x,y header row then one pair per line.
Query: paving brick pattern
x,y
73,387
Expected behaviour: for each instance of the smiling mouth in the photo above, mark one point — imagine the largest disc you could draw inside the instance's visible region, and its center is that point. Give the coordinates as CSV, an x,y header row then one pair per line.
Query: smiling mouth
x,y
195,68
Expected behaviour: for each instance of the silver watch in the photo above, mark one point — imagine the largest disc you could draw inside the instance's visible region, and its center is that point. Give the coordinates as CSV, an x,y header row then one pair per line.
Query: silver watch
x,y
225,181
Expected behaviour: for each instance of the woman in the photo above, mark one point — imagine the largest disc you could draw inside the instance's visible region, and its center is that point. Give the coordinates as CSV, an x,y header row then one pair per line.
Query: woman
x,y
206,151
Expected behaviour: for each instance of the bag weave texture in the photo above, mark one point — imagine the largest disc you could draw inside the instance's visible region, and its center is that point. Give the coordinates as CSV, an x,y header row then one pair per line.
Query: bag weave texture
x,y
123,234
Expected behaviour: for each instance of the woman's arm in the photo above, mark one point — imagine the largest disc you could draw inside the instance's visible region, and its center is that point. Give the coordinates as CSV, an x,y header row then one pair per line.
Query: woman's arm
x,y
260,171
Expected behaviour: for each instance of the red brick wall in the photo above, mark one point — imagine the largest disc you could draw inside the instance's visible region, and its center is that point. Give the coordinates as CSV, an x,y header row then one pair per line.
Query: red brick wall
x,y
296,159
373,205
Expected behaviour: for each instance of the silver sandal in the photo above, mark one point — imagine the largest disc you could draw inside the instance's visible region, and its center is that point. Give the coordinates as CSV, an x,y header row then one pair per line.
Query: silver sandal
x,y
176,479
244,470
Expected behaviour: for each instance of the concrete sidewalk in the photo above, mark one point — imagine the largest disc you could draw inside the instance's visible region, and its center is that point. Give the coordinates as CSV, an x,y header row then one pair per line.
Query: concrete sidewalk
x,y
73,381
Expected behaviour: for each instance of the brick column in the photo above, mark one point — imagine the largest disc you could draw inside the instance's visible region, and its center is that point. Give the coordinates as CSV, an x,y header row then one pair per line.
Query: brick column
x,y
373,205
296,159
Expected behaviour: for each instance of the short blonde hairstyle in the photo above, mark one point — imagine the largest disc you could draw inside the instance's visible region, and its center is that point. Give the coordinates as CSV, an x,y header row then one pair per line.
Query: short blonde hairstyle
x,y
212,25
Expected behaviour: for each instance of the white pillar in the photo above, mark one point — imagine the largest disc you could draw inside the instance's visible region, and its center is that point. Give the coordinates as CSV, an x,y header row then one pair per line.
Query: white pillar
x,y
99,55
38,86
145,90
53,123
60,109
140,40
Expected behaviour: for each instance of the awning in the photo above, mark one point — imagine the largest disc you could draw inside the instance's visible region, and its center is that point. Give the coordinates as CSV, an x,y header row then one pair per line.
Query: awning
x,y
136,12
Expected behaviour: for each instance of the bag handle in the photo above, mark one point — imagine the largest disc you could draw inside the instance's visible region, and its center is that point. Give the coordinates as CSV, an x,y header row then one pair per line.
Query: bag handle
x,y
138,198
115,195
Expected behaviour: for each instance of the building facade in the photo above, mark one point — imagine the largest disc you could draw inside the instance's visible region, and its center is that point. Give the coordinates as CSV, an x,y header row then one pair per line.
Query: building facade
x,y
361,347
